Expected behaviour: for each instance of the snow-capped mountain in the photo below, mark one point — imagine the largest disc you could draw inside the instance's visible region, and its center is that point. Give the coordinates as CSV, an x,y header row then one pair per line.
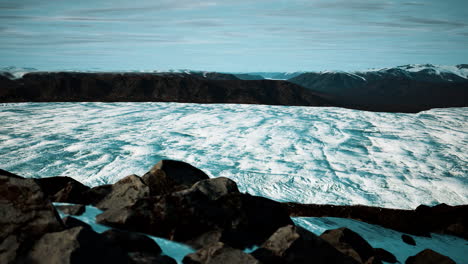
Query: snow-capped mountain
x,y
403,87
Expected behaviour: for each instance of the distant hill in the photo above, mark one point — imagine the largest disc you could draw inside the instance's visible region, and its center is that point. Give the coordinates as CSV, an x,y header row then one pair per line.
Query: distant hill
x,y
407,88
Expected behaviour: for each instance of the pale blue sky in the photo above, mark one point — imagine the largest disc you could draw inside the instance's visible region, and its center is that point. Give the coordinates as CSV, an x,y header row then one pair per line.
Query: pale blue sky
x,y
238,35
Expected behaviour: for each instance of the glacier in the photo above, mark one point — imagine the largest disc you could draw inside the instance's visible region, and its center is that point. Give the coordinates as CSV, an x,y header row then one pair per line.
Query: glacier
x,y
322,155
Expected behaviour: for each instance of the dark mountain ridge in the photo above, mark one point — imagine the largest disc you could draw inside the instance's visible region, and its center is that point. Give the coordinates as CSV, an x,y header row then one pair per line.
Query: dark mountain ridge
x,y
408,88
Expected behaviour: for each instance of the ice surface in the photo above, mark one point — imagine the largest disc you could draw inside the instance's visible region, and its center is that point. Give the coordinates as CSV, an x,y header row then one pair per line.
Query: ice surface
x,y
390,240
170,248
303,154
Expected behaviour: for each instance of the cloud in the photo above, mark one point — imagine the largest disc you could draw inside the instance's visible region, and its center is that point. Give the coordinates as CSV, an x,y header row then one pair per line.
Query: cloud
x,y
359,5
154,7
434,22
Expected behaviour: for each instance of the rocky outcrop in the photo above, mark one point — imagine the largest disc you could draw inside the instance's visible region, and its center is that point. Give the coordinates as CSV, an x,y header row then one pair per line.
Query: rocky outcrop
x,y
125,192
350,243
76,209
244,220
168,176
429,256
75,245
177,201
384,255
219,253
63,189
422,221
290,244
25,215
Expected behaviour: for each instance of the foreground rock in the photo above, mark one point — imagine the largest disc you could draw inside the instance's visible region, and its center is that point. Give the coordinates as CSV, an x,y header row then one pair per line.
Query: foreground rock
x,y
429,256
296,245
350,243
125,192
168,176
25,215
76,209
63,189
442,218
219,253
75,245
244,220
139,248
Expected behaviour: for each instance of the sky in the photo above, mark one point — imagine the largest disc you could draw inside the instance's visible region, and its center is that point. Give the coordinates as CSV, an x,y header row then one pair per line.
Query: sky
x,y
231,36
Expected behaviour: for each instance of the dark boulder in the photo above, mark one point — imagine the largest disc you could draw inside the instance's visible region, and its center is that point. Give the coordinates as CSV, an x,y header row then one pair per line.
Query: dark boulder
x,y
125,192
291,244
63,189
75,245
204,239
219,253
211,188
408,240
429,256
76,209
94,195
25,209
140,248
250,220
244,220
169,176
9,174
145,258
132,242
349,243
384,255
71,222
25,215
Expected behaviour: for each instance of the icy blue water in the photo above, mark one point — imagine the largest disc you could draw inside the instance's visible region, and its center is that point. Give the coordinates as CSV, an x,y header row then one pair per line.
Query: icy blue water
x,y
304,154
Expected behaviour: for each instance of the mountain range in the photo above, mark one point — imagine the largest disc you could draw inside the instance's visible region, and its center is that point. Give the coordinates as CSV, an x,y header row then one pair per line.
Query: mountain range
x,y
408,88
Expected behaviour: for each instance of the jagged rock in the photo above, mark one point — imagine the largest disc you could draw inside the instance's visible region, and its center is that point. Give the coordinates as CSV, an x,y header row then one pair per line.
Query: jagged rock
x,y
169,176
25,215
140,248
125,192
384,255
71,222
408,240
207,238
219,253
76,209
250,220
145,258
349,243
9,174
429,256
244,220
212,188
24,209
132,242
96,194
63,189
75,245
291,244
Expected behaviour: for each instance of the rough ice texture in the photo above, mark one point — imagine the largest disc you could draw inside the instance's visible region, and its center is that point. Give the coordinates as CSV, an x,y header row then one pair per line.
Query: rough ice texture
x,y
302,154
